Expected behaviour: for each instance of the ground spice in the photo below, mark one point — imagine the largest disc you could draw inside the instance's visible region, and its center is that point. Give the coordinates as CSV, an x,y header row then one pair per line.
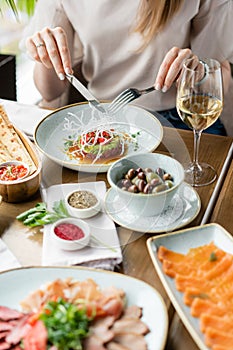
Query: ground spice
x,y
82,200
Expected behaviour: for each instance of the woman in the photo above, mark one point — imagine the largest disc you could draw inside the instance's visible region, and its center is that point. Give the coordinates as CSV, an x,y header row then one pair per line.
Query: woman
x,y
133,43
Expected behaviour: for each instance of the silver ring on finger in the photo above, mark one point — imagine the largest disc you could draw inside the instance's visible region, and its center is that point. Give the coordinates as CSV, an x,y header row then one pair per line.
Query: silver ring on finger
x,y
40,45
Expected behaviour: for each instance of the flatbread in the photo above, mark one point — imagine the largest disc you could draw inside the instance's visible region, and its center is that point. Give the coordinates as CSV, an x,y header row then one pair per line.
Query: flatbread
x,y
11,145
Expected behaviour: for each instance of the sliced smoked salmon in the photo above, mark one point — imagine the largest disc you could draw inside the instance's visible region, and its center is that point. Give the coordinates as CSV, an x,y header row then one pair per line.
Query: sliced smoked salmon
x,y
215,337
223,324
205,276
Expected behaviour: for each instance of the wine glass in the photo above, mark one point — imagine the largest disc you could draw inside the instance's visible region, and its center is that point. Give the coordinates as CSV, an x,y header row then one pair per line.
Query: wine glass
x,y
199,104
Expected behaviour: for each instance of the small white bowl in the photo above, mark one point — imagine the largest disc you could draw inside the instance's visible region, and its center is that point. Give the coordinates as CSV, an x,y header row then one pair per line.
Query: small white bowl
x,y
71,244
85,212
16,163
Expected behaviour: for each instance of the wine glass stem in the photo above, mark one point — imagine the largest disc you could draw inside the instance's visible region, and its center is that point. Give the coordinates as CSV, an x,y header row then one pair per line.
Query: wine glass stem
x,y
197,138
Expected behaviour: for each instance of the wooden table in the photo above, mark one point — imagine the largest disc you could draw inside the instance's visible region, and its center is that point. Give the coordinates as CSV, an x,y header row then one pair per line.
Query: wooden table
x,y
222,213
26,243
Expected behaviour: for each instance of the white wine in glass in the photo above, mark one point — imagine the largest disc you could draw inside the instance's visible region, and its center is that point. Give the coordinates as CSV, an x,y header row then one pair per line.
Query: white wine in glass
x,y
199,104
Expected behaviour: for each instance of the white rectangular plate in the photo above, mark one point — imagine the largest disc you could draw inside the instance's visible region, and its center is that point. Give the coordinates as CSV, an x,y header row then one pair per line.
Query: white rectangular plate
x,y
101,226
181,241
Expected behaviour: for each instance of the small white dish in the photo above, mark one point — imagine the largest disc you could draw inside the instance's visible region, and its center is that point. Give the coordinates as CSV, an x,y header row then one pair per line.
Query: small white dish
x,y
183,208
14,163
66,228
87,203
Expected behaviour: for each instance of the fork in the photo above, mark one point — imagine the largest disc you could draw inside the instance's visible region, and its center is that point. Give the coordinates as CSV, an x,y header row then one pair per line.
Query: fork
x,y
126,97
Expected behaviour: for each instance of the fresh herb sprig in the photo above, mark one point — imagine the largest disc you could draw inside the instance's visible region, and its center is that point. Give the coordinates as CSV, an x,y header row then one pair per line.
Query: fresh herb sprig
x,y
39,215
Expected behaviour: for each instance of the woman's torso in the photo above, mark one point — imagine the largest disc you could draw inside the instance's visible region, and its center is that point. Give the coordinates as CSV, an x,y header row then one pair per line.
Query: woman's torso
x,y
109,49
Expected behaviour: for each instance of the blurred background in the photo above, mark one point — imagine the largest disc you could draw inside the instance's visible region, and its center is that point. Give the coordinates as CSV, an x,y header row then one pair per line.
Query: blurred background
x,y
14,15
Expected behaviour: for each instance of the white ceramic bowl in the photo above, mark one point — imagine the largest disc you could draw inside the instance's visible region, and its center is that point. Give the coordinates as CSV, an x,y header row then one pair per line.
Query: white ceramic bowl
x,y
71,244
14,163
83,196
142,204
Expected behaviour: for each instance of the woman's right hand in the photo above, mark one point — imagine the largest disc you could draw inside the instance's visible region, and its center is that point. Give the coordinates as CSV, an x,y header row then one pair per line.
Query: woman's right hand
x,y
50,47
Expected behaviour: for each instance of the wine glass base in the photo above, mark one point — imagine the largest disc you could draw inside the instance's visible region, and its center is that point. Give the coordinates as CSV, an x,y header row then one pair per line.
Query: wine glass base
x,y
199,176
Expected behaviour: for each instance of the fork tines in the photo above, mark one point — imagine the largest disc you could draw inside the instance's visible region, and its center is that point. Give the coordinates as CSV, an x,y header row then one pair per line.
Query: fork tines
x,y
121,100
126,97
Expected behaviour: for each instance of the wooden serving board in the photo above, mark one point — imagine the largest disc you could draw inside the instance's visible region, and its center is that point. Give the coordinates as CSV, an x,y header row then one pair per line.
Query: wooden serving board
x,y
15,145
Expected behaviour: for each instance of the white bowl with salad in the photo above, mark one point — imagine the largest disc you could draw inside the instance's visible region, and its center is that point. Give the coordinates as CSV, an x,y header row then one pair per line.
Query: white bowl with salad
x,y
13,171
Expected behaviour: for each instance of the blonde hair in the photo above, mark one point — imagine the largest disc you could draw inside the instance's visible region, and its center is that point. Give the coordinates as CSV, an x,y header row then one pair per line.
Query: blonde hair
x,y
153,15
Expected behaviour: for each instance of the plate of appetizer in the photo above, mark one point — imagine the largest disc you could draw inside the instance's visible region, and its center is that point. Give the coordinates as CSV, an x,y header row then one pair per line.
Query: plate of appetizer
x,y
195,266
52,302
82,139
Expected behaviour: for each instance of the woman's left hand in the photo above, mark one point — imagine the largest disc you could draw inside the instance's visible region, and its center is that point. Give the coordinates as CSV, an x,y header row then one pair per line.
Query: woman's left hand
x,y
170,67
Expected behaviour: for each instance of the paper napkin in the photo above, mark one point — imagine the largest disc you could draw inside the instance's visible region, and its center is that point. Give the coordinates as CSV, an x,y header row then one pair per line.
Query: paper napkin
x,y
104,249
7,259
25,117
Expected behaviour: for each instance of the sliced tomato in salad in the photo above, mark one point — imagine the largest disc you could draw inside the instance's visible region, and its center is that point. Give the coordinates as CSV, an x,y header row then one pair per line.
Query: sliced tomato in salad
x,y
95,137
12,172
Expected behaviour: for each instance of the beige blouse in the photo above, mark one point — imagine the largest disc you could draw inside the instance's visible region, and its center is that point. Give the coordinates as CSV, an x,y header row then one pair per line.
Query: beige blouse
x,y
100,35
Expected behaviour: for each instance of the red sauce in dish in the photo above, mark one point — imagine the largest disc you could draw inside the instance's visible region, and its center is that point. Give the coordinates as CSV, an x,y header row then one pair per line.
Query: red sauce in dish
x,y
12,172
69,232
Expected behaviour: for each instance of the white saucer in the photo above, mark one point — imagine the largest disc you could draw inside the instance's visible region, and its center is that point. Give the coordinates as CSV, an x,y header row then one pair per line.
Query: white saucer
x,y
184,207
